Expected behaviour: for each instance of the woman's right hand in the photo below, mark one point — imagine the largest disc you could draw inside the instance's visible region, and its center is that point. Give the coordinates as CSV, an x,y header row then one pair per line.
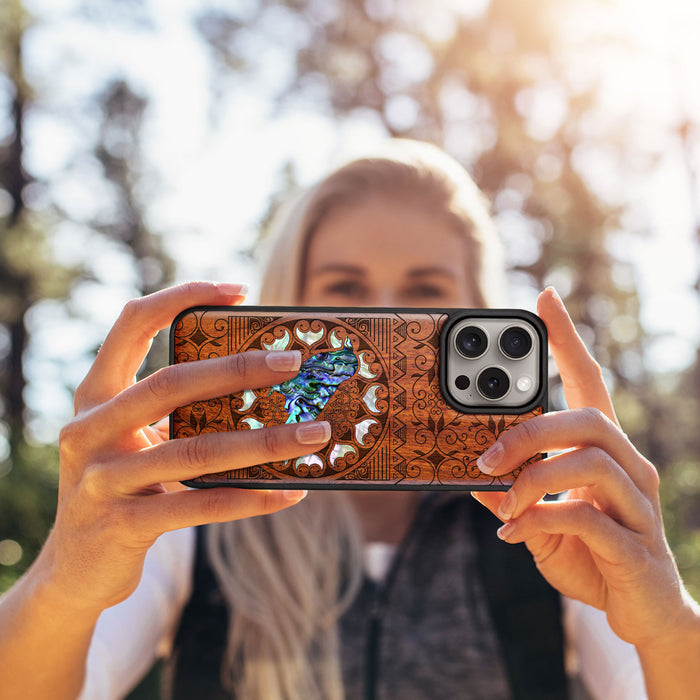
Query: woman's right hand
x,y
112,504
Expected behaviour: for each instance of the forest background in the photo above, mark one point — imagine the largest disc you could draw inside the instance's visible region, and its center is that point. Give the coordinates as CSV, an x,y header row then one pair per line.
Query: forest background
x,y
148,142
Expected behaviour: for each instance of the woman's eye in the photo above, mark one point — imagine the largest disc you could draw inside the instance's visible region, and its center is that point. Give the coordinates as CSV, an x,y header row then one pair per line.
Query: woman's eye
x,y
349,289
427,291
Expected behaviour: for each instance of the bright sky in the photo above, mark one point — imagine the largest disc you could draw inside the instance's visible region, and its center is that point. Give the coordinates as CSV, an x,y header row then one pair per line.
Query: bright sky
x,y
645,87
215,176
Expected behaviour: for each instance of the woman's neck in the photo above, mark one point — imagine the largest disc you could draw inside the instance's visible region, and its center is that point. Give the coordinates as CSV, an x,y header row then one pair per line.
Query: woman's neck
x,y
385,516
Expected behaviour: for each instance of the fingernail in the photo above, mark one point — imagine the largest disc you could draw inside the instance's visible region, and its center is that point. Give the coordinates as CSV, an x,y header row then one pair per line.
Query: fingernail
x,y
505,530
284,361
232,290
491,458
555,295
294,496
507,508
314,432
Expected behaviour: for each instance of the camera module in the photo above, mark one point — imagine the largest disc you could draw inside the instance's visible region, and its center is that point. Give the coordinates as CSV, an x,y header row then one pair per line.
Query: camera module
x,y
493,383
515,342
492,360
471,342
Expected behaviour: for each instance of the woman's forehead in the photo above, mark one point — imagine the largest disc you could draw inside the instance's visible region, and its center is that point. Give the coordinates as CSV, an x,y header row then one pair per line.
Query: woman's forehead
x,y
379,232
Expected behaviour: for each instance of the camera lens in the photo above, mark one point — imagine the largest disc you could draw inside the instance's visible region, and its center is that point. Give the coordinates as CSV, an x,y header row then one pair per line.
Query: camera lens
x,y
493,383
471,342
515,342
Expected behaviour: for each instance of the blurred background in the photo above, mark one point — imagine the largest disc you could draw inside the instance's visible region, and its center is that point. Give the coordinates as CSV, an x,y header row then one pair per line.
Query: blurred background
x,y
144,142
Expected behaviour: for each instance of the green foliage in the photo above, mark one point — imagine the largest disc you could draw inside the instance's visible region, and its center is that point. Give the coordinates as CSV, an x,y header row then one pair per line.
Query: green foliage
x,y
680,491
28,493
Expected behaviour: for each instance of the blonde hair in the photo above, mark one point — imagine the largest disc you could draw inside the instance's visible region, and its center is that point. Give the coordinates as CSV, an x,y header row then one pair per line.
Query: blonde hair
x,y
432,178
288,577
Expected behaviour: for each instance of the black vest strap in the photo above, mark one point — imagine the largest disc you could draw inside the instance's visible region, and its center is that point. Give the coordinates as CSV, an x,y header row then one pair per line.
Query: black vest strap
x,y
193,670
526,612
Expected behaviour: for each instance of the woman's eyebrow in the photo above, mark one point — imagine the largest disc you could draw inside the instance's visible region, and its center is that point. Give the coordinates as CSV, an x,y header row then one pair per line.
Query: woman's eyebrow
x,y
436,270
341,268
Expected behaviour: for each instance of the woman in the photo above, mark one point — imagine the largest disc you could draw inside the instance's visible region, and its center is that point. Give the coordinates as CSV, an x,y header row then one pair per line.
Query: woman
x,y
405,229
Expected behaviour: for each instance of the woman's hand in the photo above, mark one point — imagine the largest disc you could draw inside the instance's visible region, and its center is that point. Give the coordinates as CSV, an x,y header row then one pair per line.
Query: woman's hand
x,y
112,501
603,543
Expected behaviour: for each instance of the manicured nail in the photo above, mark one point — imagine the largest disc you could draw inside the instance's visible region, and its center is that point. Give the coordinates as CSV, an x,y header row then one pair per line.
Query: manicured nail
x,y
294,496
314,432
507,508
232,290
284,360
505,530
555,295
491,458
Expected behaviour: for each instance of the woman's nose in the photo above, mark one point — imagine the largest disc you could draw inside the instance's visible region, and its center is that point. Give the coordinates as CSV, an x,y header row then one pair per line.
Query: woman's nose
x,y
386,297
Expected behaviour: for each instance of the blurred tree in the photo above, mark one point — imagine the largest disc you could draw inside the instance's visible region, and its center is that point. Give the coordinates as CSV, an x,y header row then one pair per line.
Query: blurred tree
x,y
16,281
490,82
27,274
678,401
118,149
496,84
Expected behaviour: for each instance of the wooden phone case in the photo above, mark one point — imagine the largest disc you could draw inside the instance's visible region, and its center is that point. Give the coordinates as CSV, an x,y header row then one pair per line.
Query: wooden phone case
x,y
393,427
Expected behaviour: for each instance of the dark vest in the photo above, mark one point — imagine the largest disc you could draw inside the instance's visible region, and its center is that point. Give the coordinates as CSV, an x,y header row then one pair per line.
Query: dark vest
x,y
520,632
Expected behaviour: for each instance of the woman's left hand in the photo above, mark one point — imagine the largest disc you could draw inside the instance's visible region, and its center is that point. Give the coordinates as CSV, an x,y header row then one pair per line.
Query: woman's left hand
x,y
603,542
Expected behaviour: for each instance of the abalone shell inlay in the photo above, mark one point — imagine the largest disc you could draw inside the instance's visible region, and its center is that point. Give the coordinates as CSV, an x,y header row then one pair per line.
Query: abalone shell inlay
x,y
319,376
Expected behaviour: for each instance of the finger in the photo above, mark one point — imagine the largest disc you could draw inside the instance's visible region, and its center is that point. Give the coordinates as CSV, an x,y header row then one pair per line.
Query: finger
x,y
490,499
543,545
129,339
188,458
581,427
590,468
606,538
172,511
572,581
159,431
178,385
580,374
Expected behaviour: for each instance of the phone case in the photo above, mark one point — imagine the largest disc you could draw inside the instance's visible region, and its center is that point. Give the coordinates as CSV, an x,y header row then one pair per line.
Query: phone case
x,y
374,374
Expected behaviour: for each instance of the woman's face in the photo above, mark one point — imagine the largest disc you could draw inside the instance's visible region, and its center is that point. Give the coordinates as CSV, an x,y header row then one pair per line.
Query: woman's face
x,y
386,252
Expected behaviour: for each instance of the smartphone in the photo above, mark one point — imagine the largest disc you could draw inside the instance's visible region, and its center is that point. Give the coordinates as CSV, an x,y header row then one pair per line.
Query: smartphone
x,y
413,396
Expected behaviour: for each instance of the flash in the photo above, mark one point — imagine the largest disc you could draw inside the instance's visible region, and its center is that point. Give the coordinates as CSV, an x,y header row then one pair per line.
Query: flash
x,y
524,384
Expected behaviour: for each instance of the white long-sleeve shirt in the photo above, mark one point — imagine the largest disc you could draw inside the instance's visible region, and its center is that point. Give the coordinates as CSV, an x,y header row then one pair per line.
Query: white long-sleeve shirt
x,y
131,635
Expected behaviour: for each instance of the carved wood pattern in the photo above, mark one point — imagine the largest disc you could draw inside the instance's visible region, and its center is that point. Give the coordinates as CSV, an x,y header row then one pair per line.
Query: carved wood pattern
x,y
408,435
